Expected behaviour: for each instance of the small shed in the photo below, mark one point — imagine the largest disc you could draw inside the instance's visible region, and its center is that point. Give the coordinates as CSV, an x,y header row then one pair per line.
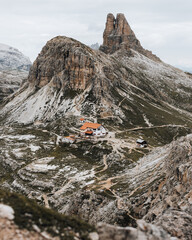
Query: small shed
x,y
68,139
141,143
89,133
82,120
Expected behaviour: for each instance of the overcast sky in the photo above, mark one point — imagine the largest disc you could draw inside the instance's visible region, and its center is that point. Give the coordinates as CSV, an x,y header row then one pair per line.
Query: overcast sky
x,y
162,26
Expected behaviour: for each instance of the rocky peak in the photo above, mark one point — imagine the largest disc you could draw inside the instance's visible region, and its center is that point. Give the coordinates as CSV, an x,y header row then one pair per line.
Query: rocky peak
x,y
63,62
119,35
117,32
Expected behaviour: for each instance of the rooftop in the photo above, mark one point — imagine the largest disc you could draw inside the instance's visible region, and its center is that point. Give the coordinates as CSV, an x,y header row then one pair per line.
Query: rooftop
x,y
90,125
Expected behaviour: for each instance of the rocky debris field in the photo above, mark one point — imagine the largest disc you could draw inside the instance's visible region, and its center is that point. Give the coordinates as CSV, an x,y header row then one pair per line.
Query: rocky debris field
x,y
107,180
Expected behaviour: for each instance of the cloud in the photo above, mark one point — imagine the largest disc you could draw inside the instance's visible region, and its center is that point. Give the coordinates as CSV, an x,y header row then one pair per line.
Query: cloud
x,y
163,26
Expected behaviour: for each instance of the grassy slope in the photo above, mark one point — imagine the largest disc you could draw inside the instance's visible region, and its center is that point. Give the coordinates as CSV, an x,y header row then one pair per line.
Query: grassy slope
x,y
28,212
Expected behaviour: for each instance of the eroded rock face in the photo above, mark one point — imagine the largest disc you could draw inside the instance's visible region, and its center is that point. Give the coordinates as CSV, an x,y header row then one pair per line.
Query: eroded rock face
x,y
64,62
165,198
119,35
117,32
144,231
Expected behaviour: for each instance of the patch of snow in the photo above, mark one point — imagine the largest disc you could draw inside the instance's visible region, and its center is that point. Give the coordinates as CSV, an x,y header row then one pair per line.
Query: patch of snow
x,y
41,165
147,121
34,148
18,153
77,177
6,212
18,137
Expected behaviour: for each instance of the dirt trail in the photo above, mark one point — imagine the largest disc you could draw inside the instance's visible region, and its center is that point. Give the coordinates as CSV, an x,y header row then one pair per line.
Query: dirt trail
x,y
151,127
105,165
67,185
118,144
46,201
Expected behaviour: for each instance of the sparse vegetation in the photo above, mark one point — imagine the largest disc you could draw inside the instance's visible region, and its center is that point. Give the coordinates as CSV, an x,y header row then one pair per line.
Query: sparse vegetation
x,y
28,213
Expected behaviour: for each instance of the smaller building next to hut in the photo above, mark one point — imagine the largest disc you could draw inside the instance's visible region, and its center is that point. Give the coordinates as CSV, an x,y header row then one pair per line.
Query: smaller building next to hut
x,y
68,139
141,143
82,120
93,129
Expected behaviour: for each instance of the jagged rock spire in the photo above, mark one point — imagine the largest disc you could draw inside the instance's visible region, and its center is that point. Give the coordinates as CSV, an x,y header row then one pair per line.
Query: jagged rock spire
x,y
119,35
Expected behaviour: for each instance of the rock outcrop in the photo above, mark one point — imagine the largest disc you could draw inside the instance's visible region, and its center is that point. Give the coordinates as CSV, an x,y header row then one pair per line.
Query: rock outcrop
x,y
161,190
119,35
24,219
144,231
31,221
65,62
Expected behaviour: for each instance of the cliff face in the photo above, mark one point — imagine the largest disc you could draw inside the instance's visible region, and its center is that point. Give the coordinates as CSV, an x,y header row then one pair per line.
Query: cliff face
x,y
64,62
119,35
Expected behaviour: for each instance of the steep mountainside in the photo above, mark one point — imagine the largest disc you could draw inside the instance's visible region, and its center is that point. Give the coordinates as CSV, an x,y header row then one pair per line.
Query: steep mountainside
x,y
70,78
21,218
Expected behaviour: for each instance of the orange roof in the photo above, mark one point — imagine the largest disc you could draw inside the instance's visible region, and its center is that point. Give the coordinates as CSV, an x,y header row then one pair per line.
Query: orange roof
x,y
90,125
89,132
69,137
81,119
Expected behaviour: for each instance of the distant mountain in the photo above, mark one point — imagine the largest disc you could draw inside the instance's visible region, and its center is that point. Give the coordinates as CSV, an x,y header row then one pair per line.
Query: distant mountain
x,y
14,68
95,46
11,59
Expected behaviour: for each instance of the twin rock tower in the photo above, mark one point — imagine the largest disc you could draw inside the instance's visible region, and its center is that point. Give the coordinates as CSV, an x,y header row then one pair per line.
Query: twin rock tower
x,y
119,35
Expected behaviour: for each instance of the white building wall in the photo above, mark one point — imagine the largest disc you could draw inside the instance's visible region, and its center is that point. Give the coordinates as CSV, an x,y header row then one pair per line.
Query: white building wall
x,y
101,131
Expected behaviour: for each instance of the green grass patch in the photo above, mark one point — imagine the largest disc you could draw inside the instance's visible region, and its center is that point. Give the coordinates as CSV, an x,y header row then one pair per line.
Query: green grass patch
x,y
28,212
